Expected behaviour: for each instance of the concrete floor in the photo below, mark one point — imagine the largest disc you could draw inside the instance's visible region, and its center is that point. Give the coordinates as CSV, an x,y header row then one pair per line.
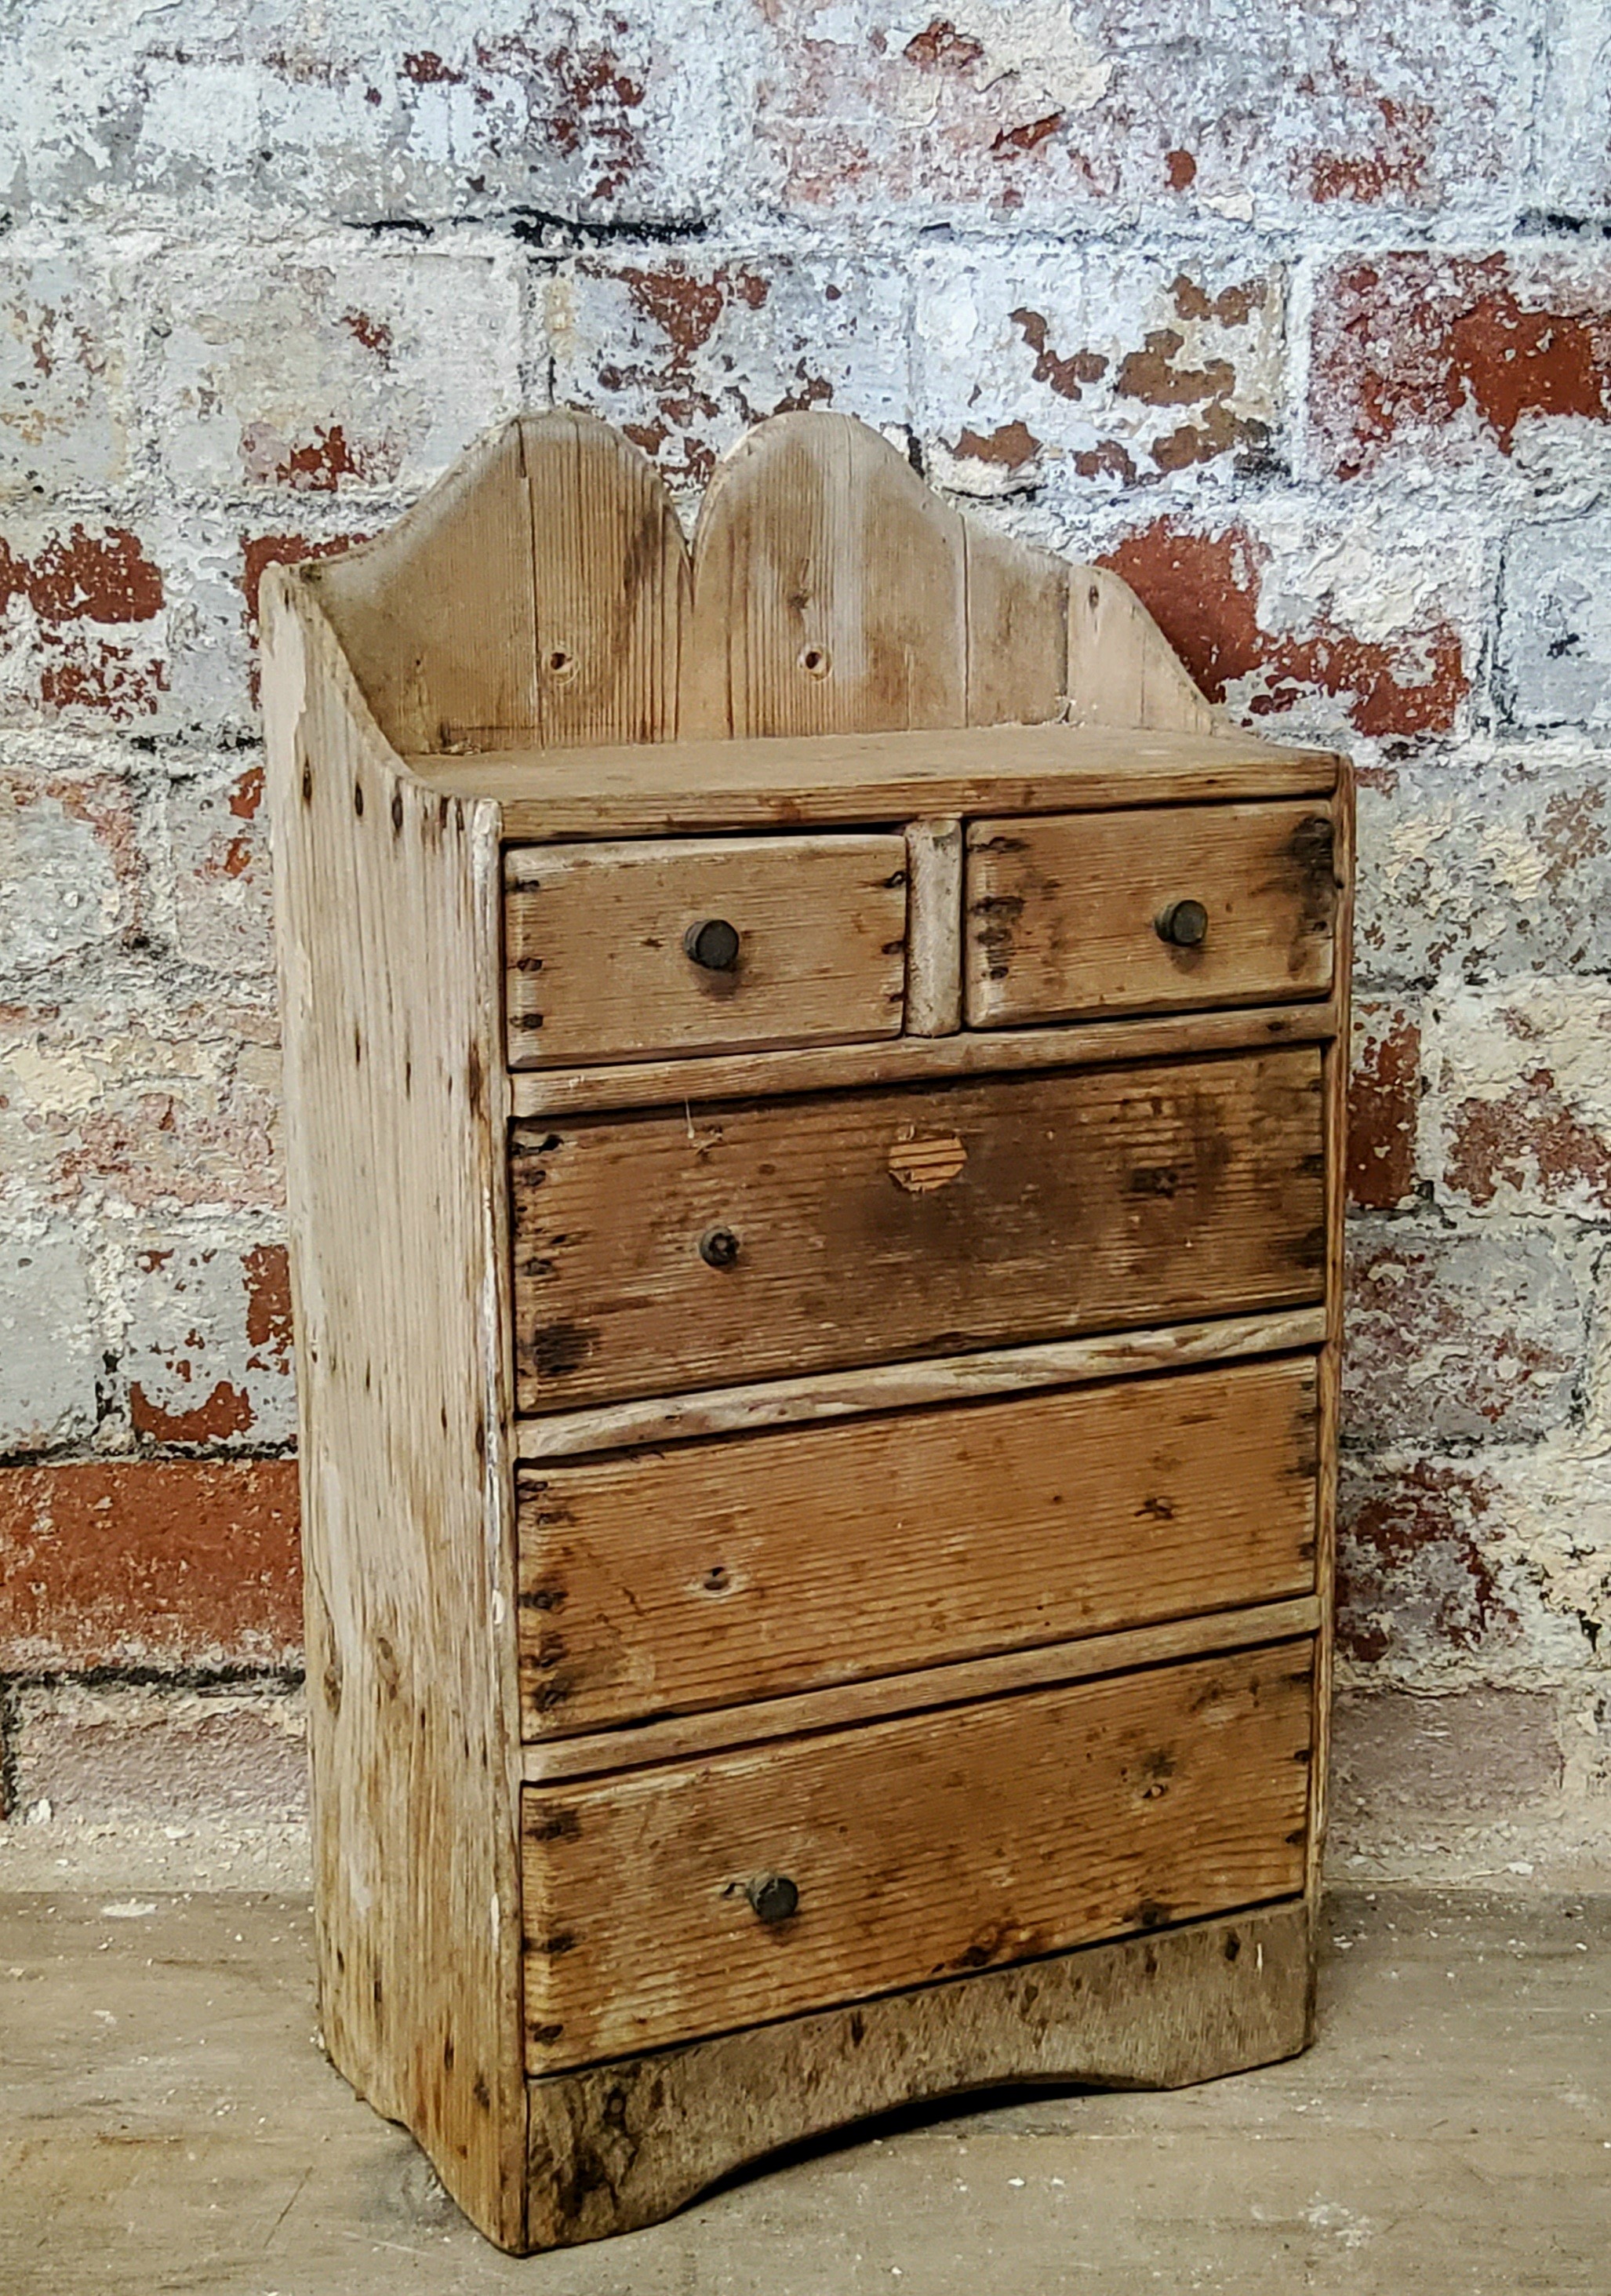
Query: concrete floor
x,y
168,2123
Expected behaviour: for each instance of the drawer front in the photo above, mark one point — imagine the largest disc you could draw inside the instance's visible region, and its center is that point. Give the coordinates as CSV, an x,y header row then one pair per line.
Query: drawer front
x,y
1071,917
915,1849
662,1253
623,952
711,1573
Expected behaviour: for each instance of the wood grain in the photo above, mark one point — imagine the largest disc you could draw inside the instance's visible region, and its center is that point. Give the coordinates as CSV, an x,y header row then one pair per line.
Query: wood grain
x,y
1062,913
688,1737
1337,1057
437,618
921,1849
598,969
862,780
984,1373
912,1060
828,590
934,935
666,1581
1121,670
387,898
1086,1200
612,585
624,2145
1017,629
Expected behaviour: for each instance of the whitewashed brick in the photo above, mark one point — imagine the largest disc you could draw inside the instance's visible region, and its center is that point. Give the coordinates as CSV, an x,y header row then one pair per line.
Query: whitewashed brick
x,y
50,1336
64,402
1555,624
334,373
1125,370
686,354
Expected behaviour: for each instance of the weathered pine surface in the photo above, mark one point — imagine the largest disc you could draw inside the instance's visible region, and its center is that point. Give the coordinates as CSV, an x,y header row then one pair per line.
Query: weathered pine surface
x,y
910,1060
1337,1058
688,1737
394,1147
768,782
1063,915
919,1848
935,1379
711,1573
598,969
535,654
620,2146
877,1224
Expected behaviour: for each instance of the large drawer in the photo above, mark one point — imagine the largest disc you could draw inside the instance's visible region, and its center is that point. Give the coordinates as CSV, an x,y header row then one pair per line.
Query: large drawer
x,y
1075,915
711,1573
658,1905
620,952
660,1253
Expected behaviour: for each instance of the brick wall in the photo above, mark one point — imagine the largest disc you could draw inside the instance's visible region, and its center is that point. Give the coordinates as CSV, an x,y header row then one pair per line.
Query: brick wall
x,y
1299,317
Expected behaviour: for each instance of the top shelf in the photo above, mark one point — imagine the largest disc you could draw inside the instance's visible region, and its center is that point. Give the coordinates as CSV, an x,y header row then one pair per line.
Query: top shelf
x,y
844,780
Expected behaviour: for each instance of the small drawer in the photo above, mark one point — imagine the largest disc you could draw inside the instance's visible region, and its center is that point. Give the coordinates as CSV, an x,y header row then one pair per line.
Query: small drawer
x,y
709,1574
625,952
755,1885
659,1253
1080,914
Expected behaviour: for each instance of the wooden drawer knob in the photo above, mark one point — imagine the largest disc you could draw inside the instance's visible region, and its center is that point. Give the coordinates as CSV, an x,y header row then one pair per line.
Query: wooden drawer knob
x,y
713,945
772,1896
1184,925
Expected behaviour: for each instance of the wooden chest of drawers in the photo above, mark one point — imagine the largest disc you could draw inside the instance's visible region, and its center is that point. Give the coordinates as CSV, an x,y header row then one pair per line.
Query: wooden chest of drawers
x,y
813,1080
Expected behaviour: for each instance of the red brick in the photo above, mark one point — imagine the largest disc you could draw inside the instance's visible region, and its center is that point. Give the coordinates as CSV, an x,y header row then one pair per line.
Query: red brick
x,y
1533,1138
1416,1576
82,611
1118,109
1518,1113
207,1354
1384,1104
1460,1339
1428,351
1203,591
170,1563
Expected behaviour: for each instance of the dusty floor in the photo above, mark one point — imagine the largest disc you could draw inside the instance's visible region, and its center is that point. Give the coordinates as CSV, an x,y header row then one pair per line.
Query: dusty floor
x,y
166,2123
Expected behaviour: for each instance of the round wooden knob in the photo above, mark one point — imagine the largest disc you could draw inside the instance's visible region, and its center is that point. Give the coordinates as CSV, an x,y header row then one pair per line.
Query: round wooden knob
x,y
714,944
772,1896
719,1247
1184,925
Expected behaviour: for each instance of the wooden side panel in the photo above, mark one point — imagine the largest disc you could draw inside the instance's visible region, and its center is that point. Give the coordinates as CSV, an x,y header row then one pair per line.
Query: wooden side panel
x,y
611,585
917,1849
1063,913
829,587
387,914
600,968
1335,1104
877,1224
624,2145
712,1573
1121,670
437,617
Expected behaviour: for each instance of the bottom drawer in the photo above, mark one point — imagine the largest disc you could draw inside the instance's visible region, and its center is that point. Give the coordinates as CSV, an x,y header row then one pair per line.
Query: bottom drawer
x,y
659,1906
